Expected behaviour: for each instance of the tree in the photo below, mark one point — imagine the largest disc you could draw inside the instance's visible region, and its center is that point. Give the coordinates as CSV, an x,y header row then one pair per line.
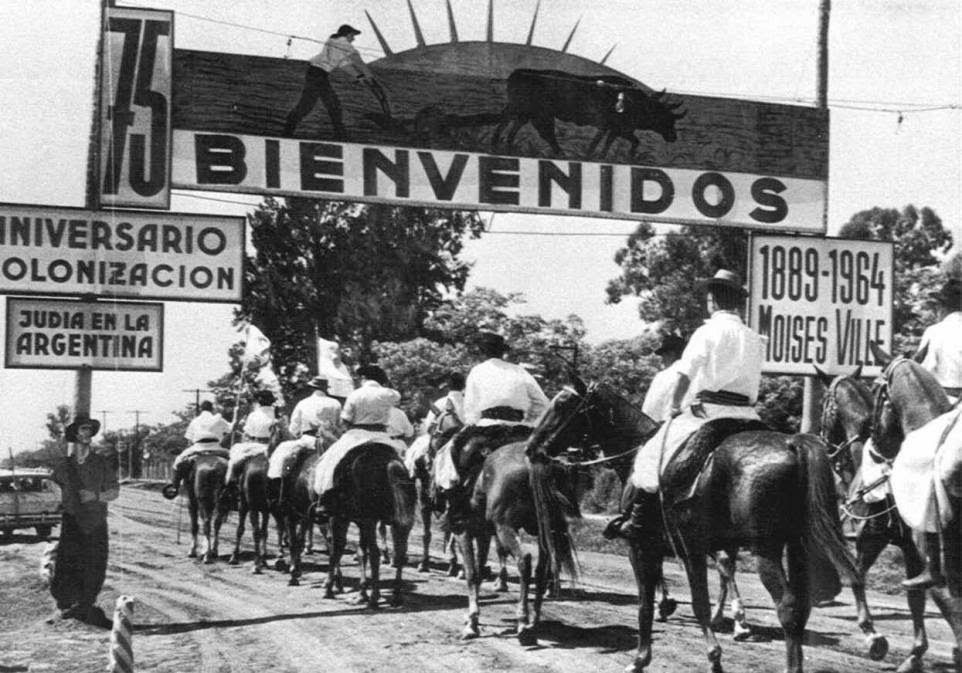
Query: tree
x,y
920,239
363,273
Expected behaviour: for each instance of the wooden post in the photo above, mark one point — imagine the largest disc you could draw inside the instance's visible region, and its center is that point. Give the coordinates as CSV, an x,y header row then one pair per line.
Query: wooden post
x,y
812,395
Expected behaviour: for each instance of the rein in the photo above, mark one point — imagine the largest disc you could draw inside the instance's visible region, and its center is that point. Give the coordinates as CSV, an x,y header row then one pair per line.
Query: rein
x,y
596,461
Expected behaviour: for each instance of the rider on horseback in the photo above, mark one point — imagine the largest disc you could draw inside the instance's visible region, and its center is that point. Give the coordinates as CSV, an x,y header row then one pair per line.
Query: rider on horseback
x,y
204,433
657,404
722,362
940,352
259,428
497,394
314,423
366,413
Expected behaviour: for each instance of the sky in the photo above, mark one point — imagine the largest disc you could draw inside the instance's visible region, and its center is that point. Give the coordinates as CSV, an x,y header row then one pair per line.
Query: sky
x,y
895,66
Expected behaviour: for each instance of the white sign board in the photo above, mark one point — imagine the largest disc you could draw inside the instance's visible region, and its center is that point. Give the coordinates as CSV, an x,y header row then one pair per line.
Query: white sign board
x,y
65,334
112,253
821,301
135,112
466,180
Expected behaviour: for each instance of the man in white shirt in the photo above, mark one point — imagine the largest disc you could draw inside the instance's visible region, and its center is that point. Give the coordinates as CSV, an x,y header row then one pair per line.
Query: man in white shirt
x,y
314,424
722,365
940,352
657,404
366,414
258,431
204,433
496,393
338,53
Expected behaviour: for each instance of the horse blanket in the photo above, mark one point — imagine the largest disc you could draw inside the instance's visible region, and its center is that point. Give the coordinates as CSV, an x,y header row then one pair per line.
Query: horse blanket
x,y
353,438
446,472
928,460
242,451
659,451
199,448
286,453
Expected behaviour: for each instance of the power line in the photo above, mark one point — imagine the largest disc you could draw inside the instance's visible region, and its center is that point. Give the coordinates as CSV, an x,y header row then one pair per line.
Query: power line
x,y
839,103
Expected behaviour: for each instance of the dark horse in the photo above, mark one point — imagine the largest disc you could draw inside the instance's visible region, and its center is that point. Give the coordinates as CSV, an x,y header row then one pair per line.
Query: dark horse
x,y
846,422
254,501
906,398
295,509
204,478
763,490
371,485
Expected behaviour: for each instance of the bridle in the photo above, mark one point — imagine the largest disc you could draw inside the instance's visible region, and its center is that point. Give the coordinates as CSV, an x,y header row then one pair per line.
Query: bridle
x,y
585,406
839,452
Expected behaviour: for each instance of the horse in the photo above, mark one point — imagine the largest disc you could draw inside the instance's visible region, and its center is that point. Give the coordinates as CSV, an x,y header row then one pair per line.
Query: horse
x,y
466,513
907,397
764,490
846,420
254,500
371,485
295,511
204,478
445,426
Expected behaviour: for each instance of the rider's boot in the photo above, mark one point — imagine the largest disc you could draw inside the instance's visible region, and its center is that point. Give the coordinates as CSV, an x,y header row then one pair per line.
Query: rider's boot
x,y
931,576
636,518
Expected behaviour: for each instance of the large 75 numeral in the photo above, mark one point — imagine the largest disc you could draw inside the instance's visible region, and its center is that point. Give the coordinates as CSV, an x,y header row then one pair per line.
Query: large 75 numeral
x,y
134,88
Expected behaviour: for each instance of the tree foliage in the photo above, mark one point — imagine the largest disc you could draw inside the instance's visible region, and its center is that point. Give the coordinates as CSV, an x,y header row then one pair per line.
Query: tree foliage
x,y
363,273
920,240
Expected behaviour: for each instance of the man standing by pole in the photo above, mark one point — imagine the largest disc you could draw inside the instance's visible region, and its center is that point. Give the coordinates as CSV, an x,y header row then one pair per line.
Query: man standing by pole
x,y
87,483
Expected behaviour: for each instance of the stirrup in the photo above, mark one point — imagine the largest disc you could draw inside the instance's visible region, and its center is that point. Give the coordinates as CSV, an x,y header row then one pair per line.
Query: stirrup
x,y
925,580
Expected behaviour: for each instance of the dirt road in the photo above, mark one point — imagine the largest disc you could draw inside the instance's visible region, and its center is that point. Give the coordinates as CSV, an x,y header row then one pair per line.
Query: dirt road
x,y
224,619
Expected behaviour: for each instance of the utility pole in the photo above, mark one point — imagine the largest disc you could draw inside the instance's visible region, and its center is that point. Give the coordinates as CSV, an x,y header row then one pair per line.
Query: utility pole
x,y
130,463
812,394
197,392
103,413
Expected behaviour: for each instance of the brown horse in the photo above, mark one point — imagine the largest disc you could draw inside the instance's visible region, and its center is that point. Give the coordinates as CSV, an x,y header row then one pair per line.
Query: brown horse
x,y
906,398
295,510
847,409
371,485
254,501
766,491
204,478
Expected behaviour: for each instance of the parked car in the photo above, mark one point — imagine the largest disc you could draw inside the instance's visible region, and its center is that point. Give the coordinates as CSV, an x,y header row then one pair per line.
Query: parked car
x,y
29,498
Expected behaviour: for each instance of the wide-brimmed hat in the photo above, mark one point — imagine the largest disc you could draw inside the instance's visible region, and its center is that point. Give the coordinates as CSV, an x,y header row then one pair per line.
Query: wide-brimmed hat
x,y
671,343
265,398
492,341
724,278
950,294
346,30
70,433
318,383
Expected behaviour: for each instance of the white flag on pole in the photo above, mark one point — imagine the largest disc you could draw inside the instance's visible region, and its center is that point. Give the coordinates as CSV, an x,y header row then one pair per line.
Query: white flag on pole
x,y
257,355
329,365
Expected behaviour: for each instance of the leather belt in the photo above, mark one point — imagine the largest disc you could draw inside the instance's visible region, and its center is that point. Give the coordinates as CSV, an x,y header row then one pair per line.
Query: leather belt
x,y
723,397
259,440
373,427
503,414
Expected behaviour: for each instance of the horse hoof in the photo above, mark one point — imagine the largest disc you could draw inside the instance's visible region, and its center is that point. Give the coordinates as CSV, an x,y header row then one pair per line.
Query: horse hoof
x,y
501,587
372,604
281,565
666,608
293,582
470,632
527,638
635,667
192,554
878,647
423,567
396,601
256,570
453,570
208,559
233,561
328,593
911,665
741,632
461,574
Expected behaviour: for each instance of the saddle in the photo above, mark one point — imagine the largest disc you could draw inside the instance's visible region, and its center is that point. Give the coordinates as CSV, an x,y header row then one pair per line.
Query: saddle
x,y
342,473
682,475
473,443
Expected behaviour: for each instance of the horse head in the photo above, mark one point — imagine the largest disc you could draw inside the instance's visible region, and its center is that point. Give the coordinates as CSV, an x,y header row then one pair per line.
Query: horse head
x,y
846,421
907,396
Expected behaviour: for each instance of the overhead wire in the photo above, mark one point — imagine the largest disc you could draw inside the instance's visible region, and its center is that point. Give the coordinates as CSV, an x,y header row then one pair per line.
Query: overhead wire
x,y
901,107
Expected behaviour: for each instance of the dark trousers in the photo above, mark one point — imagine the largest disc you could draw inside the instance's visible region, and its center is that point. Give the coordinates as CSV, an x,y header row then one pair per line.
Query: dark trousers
x,y
317,85
81,564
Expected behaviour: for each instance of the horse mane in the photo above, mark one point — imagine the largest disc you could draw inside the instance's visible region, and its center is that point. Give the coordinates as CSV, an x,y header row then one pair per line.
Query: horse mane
x,y
625,423
831,407
922,385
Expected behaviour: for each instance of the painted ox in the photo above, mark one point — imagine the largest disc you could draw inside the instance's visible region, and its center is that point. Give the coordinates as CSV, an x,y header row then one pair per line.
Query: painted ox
x,y
613,105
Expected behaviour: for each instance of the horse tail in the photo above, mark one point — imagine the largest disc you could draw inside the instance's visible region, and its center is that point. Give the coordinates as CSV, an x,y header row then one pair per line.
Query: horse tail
x,y
822,533
550,506
403,492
